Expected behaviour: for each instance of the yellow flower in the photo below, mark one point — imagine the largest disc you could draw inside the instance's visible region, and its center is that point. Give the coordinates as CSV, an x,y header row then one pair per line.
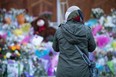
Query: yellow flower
x,y
18,32
4,56
13,48
25,27
0,49
18,54
114,44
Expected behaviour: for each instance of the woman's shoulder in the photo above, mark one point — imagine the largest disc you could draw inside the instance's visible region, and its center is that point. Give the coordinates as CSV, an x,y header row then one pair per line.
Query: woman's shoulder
x,y
87,27
58,30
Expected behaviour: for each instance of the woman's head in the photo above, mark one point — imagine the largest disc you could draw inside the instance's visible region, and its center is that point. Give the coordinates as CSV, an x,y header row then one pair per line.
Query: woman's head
x,y
74,13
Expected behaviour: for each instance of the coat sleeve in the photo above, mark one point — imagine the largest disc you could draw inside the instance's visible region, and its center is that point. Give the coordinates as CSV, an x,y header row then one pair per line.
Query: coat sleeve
x,y
91,41
55,43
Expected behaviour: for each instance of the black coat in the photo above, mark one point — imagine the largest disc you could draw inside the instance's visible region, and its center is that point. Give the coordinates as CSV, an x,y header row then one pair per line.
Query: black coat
x,y
70,62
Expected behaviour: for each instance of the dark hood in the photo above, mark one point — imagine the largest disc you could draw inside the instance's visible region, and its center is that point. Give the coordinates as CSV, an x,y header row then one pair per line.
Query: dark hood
x,y
74,32
74,13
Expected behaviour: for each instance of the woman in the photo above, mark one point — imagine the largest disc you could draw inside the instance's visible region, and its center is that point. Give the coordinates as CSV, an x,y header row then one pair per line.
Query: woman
x,y
73,32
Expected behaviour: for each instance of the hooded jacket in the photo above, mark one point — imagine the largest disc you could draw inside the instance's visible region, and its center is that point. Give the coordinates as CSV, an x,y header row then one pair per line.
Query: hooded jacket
x,y
73,32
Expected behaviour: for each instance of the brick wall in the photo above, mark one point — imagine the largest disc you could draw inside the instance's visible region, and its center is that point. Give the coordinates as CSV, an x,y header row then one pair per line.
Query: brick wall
x,y
36,7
